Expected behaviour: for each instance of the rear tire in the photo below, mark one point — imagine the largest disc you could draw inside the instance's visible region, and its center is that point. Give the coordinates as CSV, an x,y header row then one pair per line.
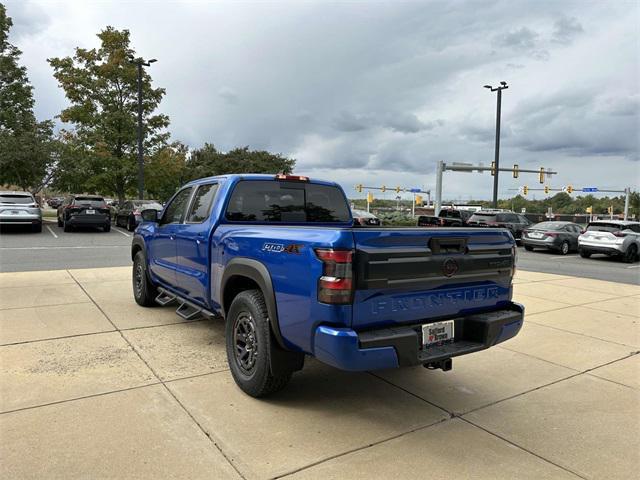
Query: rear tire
x,y
564,248
131,225
37,228
107,228
66,227
144,292
631,254
59,222
528,248
584,253
248,338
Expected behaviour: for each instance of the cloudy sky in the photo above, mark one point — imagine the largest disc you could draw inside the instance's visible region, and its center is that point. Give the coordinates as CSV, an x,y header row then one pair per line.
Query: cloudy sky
x,y
377,92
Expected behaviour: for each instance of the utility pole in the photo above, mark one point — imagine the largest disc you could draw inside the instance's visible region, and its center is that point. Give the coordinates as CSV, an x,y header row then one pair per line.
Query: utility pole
x,y
438,202
627,192
140,63
503,85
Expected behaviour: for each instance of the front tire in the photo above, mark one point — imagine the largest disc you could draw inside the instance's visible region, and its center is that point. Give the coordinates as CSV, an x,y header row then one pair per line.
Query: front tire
x,y
144,292
131,224
248,338
585,253
528,248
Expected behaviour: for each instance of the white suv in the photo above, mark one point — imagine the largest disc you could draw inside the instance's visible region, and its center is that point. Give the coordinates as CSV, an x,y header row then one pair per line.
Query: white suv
x,y
611,237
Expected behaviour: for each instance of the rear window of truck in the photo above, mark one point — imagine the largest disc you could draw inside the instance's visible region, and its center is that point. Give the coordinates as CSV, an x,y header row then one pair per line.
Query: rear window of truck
x,y
286,202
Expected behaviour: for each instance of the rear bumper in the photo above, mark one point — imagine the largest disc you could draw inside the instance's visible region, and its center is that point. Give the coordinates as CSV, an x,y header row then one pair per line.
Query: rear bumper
x,y
402,346
609,249
550,243
21,219
98,220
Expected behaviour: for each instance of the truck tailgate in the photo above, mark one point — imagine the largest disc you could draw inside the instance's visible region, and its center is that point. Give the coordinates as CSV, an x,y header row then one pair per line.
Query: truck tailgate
x,y
405,276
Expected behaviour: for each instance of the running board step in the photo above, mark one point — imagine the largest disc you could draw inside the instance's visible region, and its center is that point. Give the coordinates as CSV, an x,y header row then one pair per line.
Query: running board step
x,y
165,298
188,312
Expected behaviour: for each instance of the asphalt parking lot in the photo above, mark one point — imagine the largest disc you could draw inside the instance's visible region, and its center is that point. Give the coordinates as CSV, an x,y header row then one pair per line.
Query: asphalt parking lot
x,y
53,249
94,386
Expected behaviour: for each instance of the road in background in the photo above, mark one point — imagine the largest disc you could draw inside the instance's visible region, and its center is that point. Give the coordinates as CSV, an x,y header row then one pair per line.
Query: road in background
x,y
599,267
53,249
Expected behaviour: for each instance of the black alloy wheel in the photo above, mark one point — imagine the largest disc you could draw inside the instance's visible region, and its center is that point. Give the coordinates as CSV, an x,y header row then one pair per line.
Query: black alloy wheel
x,y
245,340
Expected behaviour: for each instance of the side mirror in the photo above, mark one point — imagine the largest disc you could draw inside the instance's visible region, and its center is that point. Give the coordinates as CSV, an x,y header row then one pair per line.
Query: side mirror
x,y
149,215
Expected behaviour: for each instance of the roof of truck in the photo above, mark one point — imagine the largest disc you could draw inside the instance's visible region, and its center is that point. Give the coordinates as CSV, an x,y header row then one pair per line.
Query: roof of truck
x,y
253,176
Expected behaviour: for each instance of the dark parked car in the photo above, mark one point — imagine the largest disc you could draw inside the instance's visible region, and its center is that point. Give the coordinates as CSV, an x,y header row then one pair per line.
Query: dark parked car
x,y
499,219
55,202
365,219
448,217
84,211
129,215
561,237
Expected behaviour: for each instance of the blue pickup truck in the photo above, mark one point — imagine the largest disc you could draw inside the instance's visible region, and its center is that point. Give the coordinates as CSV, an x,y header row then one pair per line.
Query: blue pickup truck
x,y
279,258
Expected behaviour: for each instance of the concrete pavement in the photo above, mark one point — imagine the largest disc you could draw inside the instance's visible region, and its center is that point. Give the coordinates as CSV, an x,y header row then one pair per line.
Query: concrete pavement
x,y
93,386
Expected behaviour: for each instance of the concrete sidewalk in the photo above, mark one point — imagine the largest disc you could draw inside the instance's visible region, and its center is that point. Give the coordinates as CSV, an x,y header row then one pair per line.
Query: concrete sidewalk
x,y
93,386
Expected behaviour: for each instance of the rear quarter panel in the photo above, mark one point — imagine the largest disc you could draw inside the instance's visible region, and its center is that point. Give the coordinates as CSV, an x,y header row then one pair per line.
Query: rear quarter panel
x,y
288,253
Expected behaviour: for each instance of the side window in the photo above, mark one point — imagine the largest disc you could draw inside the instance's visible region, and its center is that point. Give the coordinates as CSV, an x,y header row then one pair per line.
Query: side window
x,y
201,205
174,213
635,228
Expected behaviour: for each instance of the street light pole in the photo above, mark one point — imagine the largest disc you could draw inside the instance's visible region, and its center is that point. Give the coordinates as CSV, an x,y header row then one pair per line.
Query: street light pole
x,y
503,85
139,62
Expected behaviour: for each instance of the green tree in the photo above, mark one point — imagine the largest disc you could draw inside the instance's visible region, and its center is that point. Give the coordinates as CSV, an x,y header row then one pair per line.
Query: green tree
x,y
165,171
101,85
27,147
207,161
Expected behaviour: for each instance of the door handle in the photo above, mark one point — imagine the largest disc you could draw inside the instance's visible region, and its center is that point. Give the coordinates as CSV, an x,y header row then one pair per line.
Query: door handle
x,y
172,237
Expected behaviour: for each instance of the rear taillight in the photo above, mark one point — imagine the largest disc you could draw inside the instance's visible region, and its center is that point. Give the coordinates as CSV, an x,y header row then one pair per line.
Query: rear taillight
x,y
582,232
618,234
335,286
551,234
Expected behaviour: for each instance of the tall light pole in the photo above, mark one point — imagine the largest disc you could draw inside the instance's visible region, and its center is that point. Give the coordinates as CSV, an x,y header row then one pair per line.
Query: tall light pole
x,y
140,62
499,89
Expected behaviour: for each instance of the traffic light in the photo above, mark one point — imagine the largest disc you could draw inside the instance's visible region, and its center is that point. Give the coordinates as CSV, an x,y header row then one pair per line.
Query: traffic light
x,y
398,189
590,209
516,171
546,189
541,175
569,188
384,189
419,200
610,210
493,168
525,190
369,197
359,188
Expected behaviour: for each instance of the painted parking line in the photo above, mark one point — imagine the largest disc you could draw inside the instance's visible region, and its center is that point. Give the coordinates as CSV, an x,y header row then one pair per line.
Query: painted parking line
x,y
633,266
564,257
52,232
123,233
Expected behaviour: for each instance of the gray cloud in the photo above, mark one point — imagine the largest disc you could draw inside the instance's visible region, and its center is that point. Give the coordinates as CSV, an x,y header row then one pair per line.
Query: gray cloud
x,y
377,91
565,29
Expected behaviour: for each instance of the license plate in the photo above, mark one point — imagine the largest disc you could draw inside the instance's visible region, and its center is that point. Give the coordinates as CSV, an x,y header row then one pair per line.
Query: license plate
x,y
90,212
535,235
15,212
439,332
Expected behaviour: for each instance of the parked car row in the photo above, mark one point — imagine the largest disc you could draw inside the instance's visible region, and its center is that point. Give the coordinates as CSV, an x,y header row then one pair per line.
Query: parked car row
x,y
615,238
